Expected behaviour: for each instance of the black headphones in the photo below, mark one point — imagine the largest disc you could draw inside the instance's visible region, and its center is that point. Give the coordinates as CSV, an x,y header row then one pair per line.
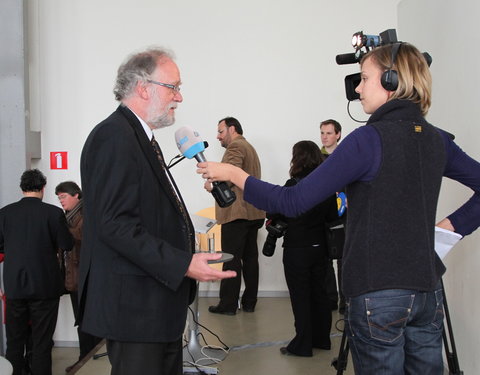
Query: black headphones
x,y
389,78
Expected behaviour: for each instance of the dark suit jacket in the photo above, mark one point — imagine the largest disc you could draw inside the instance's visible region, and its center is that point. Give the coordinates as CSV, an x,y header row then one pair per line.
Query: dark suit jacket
x,y
31,232
135,249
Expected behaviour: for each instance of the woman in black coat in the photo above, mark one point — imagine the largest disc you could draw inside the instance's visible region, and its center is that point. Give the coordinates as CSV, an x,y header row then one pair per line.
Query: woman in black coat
x,y
305,260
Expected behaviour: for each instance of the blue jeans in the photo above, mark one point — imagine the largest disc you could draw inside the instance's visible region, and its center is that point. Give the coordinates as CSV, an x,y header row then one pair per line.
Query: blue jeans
x,y
396,332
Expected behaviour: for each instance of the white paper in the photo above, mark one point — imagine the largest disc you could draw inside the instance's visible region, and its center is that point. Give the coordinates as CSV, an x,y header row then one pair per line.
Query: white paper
x,y
445,240
202,224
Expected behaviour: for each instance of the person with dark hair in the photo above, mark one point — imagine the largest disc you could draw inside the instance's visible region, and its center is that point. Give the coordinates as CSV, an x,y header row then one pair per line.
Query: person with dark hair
x,y
32,181
393,168
138,265
31,232
232,121
72,189
70,196
240,223
305,260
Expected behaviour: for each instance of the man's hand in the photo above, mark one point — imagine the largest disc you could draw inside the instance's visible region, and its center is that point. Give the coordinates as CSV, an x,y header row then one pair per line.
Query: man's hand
x,y
200,270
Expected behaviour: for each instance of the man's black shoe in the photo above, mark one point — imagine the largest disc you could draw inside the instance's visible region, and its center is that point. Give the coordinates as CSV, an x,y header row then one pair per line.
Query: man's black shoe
x,y
323,346
218,310
285,351
248,309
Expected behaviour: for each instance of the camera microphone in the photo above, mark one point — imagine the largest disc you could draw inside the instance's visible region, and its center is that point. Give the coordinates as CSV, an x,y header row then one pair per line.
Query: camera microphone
x,y
349,58
355,57
191,146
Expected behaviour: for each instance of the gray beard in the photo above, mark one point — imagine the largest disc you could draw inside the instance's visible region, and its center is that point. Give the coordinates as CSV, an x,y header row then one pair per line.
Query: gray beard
x,y
162,121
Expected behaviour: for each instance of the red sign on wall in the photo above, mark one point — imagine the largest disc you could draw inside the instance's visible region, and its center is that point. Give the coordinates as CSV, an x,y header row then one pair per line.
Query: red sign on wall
x,y
59,160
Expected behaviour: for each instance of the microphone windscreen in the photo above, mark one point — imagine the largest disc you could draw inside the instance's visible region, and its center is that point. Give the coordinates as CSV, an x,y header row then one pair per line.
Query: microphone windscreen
x,y
189,142
348,58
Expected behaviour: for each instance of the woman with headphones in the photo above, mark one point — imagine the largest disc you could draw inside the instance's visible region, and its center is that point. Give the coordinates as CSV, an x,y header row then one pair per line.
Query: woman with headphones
x,y
393,168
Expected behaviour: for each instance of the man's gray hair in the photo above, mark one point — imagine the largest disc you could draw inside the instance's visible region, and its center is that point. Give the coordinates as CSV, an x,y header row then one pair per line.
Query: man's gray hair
x,y
137,67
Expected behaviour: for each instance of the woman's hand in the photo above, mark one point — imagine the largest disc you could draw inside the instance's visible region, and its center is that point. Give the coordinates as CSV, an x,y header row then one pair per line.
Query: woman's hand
x,y
446,224
213,171
208,186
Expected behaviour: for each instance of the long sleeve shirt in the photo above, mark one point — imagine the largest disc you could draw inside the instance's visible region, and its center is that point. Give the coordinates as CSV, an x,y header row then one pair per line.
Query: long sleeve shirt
x,y
358,158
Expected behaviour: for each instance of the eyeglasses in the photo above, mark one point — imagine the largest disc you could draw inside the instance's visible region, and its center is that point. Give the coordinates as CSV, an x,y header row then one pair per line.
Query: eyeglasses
x,y
175,88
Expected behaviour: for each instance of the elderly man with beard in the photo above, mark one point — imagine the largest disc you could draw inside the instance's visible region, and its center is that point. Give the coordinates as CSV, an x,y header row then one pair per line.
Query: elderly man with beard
x,y
138,267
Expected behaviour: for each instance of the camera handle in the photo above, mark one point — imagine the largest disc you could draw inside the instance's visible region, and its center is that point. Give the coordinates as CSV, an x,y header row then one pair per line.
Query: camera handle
x,y
223,194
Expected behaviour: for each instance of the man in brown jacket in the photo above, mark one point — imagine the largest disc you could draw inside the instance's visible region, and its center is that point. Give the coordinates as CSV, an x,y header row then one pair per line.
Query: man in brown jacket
x,y
70,196
240,224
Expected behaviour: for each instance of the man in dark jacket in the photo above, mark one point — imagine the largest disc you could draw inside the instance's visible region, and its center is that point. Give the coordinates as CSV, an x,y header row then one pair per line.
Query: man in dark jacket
x,y
31,232
138,267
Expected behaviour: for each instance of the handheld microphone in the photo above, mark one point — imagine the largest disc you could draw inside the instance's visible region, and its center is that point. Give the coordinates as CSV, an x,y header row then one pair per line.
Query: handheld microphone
x,y
178,158
191,146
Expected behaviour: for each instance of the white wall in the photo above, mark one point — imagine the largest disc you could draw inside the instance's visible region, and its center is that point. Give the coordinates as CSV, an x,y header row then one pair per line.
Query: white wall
x,y
449,33
269,63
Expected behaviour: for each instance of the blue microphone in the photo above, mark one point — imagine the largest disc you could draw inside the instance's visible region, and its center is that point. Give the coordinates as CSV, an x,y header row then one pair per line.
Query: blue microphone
x,y
191,146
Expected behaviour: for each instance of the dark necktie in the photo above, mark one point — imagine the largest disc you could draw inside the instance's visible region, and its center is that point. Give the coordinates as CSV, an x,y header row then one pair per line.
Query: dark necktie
x,y
180,204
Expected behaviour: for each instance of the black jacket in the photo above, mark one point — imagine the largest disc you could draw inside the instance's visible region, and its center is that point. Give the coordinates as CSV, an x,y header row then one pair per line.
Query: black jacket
x,y
309,228
136,243
31,232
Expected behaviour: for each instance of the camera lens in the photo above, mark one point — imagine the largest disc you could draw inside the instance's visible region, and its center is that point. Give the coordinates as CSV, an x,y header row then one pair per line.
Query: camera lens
x,y
269,246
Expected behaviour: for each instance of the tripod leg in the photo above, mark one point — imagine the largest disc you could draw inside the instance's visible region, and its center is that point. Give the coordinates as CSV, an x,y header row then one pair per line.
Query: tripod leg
x,y
343,359
452,357
340,362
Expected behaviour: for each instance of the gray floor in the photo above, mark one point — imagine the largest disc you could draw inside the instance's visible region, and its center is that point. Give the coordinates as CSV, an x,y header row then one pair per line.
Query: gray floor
x,y
254,340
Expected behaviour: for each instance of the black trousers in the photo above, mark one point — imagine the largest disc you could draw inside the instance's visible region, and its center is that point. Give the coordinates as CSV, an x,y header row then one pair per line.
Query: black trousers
x,y
132,358
41,316
305,271
86,341
239,238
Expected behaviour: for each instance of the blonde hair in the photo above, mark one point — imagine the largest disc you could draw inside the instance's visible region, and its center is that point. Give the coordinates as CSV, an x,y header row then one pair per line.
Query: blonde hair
x,y
414,78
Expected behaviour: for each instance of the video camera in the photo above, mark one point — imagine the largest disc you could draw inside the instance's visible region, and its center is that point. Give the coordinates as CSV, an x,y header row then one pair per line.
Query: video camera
x,y
362,43
276,228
